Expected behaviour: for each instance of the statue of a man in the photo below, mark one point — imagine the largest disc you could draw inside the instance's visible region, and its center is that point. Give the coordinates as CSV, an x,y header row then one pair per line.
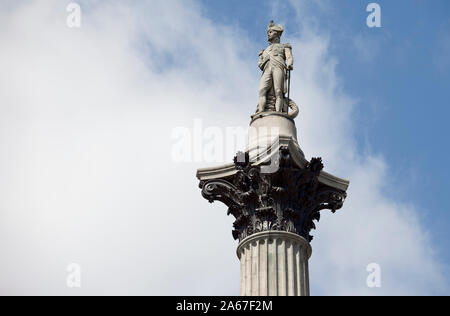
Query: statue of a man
x,y
274,61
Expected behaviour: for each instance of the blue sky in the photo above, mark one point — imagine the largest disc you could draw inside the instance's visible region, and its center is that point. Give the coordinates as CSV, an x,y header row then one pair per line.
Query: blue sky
x,y
87,117
400,75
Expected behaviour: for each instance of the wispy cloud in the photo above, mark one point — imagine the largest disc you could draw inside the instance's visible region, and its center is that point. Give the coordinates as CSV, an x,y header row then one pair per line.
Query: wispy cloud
x,y
85,122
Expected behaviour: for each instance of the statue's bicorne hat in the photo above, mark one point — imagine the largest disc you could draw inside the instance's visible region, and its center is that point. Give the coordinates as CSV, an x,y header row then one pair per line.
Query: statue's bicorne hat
x,y
277,28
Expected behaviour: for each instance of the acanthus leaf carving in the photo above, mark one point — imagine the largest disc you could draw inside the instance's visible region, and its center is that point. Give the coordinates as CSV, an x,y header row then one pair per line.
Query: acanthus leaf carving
x,y
290,199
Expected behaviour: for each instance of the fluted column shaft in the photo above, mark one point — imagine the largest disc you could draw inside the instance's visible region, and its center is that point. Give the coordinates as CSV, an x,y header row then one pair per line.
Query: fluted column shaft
x,y
274,263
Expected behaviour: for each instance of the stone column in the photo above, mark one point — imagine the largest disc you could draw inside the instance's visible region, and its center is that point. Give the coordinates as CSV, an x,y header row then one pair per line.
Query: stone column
x,y
276,197
274,263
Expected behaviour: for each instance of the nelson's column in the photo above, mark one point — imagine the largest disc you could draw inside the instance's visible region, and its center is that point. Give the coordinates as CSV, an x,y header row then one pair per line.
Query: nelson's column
x,y
274,193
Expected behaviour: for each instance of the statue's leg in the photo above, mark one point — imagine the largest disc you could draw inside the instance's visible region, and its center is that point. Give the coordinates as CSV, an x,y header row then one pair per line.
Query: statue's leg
x,y
278,83
264,86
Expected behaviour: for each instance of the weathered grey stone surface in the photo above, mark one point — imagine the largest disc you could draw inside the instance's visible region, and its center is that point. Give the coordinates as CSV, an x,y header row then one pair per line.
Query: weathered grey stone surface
x,y
275,62
288,198
274,264
260,153
268,129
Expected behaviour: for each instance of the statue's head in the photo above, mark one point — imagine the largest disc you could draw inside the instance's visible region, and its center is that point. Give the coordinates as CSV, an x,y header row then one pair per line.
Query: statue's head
x,y
274,32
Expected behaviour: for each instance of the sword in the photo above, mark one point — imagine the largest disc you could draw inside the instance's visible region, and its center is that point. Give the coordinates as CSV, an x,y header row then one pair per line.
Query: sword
x,y
289,83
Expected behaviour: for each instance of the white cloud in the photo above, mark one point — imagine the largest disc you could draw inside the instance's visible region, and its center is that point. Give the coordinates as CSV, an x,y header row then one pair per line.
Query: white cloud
x,y
366,49
85,122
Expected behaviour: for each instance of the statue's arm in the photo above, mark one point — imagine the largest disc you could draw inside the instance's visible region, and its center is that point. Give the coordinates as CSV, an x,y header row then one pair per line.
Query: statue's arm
x,y
289,58
261,60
